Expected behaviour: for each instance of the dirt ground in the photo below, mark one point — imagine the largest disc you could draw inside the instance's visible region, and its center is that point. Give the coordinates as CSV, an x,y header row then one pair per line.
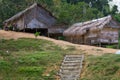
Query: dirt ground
x,y
80,48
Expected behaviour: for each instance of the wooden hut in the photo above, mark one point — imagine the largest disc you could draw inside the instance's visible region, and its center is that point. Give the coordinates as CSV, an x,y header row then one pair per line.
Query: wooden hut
x,y
99,31
34,18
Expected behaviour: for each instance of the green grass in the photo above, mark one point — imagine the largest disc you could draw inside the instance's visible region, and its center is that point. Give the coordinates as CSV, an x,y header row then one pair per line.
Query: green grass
x,y
106,67
33,59
112,46
29,59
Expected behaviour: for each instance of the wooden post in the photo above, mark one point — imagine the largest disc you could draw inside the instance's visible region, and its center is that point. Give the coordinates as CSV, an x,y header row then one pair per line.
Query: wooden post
x,y
24,28
118,39
36,29
48,35
24,22
71,39
99,44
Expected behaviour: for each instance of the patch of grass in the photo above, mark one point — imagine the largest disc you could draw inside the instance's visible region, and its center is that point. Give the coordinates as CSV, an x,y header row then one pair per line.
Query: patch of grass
x,y
4,65
28,59
112,46
31,70
43,58
23,44
106,67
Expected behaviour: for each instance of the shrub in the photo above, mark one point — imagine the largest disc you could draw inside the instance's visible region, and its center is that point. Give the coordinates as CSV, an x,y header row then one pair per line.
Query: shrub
x,y
111,46
37,34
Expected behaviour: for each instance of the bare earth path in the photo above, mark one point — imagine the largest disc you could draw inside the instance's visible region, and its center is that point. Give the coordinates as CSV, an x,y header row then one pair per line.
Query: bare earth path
x,y
85,48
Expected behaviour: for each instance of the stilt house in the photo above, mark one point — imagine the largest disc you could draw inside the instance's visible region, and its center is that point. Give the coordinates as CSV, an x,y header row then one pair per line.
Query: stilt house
x,y
100,31
35,18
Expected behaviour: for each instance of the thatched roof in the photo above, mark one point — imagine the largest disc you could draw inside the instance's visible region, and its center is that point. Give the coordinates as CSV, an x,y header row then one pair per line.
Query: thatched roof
x,y
79,29
17,16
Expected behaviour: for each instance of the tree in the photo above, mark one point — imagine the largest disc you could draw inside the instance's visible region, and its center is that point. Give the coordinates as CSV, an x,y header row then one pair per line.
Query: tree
x,y
117,17
114,10
67,11
101,5
70,13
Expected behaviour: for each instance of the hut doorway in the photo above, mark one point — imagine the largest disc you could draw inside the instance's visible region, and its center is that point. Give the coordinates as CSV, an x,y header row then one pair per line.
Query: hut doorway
x,y
43,32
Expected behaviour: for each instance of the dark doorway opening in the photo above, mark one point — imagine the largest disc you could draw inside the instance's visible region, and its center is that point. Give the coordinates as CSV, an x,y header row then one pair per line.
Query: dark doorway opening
x,y
57,36
43,32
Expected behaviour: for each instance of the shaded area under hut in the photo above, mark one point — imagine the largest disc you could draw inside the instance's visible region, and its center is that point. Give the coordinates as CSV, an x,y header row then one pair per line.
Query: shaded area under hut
x,y
102,31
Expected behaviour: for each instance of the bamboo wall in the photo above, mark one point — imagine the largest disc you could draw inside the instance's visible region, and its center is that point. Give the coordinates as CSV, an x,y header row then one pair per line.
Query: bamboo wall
x,y
109,35
20,24
106,35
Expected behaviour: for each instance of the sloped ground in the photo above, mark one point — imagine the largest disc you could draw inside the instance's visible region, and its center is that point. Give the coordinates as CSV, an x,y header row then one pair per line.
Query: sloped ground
x,y
49,56
105,67
80,48
30,59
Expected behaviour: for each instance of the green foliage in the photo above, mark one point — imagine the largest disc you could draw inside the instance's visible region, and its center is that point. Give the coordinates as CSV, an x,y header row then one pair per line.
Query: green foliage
x,y
70,13
31,70
4,65
25,44
100,5
117,17
114,10
112,46
67,11
37,34
104,67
